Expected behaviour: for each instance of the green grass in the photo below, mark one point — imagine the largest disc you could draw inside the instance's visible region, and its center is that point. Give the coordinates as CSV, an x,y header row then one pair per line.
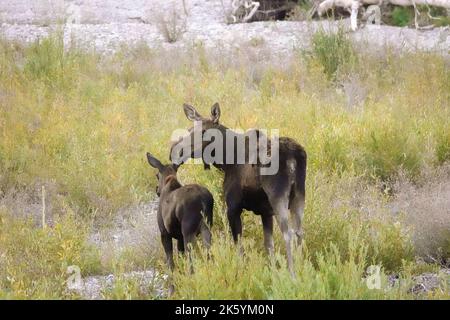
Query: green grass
x,y
402,17
84,122
323,275
35,260
332,51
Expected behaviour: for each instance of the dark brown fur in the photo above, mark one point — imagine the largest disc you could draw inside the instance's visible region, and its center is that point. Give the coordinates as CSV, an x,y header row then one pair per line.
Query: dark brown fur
x,y
181,210
266,195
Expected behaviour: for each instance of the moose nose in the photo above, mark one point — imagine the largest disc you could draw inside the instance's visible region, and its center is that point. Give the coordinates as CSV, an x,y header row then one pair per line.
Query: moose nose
x,y
175,156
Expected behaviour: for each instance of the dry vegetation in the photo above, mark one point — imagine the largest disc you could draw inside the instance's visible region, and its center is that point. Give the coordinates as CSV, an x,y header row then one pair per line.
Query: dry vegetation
x,y
171,24
80,124
426,206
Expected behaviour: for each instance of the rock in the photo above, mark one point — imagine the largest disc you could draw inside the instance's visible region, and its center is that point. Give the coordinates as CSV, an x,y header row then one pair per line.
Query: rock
x,y
150,281
427,282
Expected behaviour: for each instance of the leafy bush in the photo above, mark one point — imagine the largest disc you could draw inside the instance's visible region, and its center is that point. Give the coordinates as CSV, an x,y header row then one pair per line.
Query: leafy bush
x,y
47,61
35,260
333,51
402,16
227,274
387,150
340,207
443,146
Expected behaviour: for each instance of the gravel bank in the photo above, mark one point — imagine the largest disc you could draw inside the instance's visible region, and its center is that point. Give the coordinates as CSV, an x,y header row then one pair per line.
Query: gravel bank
x,y
106,25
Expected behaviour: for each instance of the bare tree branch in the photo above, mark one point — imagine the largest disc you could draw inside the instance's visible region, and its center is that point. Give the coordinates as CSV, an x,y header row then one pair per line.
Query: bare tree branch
x,y
353,7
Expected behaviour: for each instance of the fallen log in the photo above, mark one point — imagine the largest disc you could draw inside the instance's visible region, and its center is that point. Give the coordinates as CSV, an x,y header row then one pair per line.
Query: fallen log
x,y
353,6
274,14
249,10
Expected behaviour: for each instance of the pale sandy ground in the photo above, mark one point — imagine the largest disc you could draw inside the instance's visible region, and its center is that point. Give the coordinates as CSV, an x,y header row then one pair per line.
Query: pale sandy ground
x,y
105,25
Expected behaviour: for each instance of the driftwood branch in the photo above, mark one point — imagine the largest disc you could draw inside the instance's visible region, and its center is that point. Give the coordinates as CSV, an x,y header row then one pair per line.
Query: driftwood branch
x,y
353,6
243,10
372,14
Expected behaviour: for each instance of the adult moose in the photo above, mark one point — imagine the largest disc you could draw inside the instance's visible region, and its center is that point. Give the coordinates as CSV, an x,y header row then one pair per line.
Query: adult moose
x,y
244,185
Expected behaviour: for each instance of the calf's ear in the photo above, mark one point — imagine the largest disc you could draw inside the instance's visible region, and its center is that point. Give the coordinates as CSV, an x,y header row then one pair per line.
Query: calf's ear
x,y
155,163
215,113
191,113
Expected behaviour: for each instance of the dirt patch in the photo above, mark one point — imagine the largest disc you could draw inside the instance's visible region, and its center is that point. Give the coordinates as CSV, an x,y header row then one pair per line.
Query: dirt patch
x,y
134,226
149,282
428,282
426,210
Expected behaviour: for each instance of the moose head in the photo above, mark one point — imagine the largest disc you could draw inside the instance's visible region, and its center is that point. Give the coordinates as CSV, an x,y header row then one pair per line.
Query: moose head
x,y
166,173
198,137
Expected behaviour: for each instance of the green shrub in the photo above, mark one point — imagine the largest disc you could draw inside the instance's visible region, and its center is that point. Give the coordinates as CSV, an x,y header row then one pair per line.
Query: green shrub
x,y
443,145
332,149
340,207
230,275
332,51
388,149
47,61
333,278
402,16
347,228
443,21
224,273
435,15
35,260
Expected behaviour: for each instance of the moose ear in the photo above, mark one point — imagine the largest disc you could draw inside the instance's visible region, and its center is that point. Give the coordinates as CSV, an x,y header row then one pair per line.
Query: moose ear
x,y
191,113
215,113
155,163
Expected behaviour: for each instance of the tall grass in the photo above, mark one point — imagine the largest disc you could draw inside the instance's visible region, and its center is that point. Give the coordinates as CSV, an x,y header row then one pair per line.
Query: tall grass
x,y
231,275
333,51
83,123
35,261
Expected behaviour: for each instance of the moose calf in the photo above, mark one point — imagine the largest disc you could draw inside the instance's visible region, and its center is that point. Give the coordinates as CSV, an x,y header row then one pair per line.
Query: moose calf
x,y
181,210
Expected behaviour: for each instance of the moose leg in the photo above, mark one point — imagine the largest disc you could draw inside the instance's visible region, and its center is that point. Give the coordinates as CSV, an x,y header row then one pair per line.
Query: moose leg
x,y
234,219
189,229
206,237
267,222
233,199
297,207
188,243
180,245
280,206
283,223
168,249
206,234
